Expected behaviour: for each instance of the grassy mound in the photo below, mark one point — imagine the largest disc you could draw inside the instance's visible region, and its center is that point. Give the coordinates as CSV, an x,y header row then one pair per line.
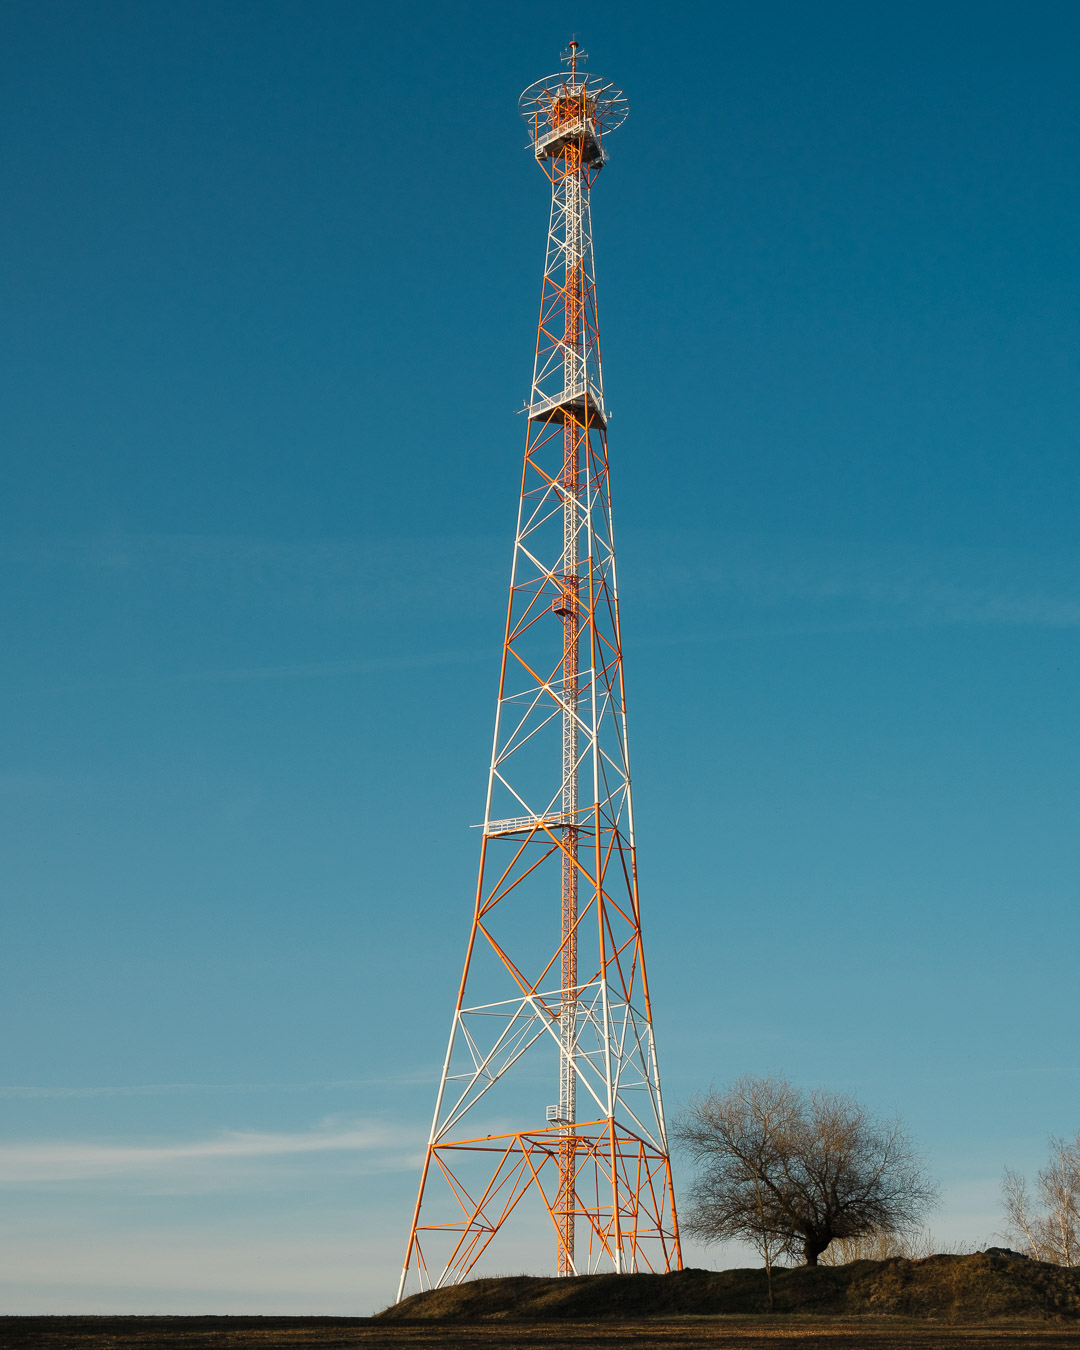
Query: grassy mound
x,y
954,1288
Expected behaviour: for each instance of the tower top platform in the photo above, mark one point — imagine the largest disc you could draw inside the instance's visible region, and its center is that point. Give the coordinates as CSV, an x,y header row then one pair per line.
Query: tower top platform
x,y
572,105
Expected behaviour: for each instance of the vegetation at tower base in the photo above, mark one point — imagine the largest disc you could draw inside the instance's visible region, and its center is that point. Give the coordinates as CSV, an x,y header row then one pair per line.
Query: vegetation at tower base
x,y
791,1171
976,1288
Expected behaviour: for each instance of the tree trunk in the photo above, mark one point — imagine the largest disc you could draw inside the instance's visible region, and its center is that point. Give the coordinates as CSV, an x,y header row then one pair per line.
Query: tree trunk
x,y
812,1249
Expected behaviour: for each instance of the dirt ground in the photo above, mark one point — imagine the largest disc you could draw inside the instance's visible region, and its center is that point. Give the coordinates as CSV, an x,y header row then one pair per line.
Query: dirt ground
x,y
689,1333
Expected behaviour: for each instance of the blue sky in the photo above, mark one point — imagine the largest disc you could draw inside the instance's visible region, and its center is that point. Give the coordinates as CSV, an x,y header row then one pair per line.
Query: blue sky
x,y
271,274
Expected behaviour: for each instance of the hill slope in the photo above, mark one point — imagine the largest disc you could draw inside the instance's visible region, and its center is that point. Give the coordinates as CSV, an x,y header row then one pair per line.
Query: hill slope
x,y
955,1288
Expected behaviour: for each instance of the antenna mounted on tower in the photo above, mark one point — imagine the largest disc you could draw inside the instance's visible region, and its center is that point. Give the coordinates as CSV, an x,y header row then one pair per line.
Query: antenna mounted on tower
x,y
572,105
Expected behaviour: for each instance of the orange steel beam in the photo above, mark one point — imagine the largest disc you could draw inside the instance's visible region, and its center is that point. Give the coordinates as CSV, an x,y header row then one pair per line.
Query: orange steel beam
x,y
529,1154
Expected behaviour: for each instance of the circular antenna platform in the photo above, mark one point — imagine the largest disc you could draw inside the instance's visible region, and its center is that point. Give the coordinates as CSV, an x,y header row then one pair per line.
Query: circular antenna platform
x,y
545,102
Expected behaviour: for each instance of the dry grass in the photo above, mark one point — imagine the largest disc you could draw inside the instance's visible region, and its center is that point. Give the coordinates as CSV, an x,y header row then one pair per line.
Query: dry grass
x,y
976,1288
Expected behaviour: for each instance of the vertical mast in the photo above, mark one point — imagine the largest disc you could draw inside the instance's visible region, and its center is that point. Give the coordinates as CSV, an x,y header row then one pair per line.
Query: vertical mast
x,y
574,384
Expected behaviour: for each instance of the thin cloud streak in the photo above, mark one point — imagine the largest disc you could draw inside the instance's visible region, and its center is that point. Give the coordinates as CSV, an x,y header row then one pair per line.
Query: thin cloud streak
x,y
72,1161
331,578
750,586
850,585
328,668
346,578
16,1092
309,670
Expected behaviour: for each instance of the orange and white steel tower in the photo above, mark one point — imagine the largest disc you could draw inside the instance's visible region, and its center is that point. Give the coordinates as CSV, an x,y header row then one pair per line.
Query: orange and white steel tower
x,y
554,992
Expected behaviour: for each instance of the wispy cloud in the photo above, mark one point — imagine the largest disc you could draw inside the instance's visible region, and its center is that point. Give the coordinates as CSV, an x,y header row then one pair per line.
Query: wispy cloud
x,y
16,1092
1025,1070
320,670
454,574
52,1161
324,578
729,585
25,785
788,584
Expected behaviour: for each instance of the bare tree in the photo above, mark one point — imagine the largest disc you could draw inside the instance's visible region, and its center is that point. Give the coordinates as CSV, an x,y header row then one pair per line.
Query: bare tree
x,y
796,1170
754,1118
1047,1228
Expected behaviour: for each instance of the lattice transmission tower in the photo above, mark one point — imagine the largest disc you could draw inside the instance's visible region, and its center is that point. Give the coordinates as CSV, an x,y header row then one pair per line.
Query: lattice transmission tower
x,y
554,999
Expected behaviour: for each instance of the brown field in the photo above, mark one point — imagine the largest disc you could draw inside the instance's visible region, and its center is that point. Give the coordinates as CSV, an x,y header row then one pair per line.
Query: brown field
x,y
985,1301
688,1333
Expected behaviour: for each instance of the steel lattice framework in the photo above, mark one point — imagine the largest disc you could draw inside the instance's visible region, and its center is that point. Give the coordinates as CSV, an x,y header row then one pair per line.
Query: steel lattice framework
x,y
554,991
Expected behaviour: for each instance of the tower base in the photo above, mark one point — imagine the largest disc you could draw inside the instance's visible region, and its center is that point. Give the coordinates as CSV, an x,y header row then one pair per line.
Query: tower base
x,y
622,1189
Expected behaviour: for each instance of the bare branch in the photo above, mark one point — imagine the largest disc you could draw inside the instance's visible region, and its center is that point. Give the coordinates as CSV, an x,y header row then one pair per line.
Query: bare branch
x,y
1047,1228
